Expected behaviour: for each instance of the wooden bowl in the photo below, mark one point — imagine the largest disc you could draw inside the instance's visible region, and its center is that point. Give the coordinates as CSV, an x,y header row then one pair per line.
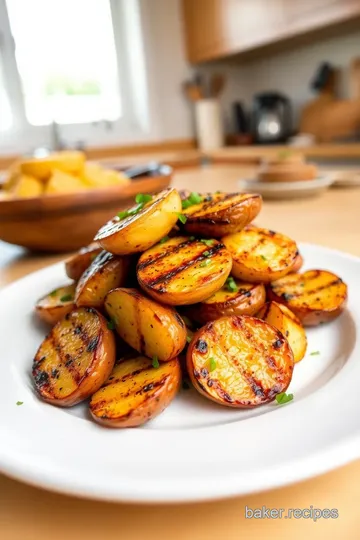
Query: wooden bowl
x,y
67,222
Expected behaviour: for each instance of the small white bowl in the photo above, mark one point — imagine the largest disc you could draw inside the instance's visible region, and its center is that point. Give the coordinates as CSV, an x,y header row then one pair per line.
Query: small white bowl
x,y
287,190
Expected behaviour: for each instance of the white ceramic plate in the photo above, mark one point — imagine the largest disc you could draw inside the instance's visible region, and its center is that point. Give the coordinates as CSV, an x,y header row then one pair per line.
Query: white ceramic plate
x,y
195,450
288,190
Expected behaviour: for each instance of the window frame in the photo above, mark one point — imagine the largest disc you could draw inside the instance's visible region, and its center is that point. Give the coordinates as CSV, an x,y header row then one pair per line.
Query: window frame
x,y
25,137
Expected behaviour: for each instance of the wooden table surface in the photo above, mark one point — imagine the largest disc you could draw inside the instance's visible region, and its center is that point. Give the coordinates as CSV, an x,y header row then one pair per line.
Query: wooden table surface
x,y
28,513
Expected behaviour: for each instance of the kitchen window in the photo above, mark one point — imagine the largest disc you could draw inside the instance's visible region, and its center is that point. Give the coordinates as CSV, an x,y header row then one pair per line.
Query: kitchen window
x,y
67,69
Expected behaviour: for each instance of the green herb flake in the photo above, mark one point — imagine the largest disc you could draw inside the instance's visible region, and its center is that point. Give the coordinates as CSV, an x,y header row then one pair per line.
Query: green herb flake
x,y
53,293
206,253
314,353
66,298
204,263
155,362
231,284
123,215
19,403
207,243
163,240
185,385
212,364
192,238
185,204
283,398
187,321
181,218
136,209
263,257
188,339
141,198
111,324
217,192
195,198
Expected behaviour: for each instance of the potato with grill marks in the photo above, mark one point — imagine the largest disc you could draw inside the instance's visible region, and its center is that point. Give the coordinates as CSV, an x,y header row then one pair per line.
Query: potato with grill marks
x,y
151,329
260,255
234,298
55,305
316,296
142,226
76,265
289,325
135,392
240,362
183,270
221,213
75,359
106,272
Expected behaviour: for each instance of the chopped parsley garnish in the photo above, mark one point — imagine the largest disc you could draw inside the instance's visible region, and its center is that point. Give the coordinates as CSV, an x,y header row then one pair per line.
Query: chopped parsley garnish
x,y
193,198
263,257
204,263
212,364
111,324
155,362
206,253
140,198
283,398
182,218
132,211
188,339
53,293
163,240
19,403
187,321
314,353
231,284
66,298
207,243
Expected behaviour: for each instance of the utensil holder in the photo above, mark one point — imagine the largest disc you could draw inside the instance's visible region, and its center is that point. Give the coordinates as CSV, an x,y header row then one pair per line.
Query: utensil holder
x,y
209,125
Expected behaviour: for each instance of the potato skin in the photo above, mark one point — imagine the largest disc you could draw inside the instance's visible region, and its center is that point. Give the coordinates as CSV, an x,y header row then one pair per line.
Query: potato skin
x,y
183,270
150,328
135,392
253,361
222,213
315,297
84,340
106,272
51,309
76,265
289,325
249,298
260,255
299,261
137,233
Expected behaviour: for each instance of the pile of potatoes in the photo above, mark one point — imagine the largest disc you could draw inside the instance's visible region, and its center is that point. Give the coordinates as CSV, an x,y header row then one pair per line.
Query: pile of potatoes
x,y
180,286
60,172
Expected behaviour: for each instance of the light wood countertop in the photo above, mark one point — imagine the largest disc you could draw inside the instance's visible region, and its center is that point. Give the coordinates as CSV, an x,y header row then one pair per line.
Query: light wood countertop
x,y
28,513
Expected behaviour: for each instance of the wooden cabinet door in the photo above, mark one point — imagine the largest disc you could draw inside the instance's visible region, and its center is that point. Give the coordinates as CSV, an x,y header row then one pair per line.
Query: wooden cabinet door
x,y
304,15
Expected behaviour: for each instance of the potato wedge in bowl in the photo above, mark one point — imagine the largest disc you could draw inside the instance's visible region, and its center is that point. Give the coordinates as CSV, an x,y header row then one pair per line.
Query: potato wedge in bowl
x,y
150,328
218,214
76,265
240,361
135,392
75,359
316,296
139,228
289,325
55,305
260,255
234,298
105,273
183,270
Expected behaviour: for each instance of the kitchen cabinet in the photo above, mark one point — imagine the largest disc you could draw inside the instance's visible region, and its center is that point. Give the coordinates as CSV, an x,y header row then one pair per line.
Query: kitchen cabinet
x,y
219,28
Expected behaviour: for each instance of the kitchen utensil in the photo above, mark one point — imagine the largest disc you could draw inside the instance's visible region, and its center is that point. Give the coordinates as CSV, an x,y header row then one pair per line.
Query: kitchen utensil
x,y
209,126
271,118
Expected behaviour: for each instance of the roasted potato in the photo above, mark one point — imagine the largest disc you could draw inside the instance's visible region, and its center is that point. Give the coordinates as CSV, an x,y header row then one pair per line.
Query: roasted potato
x,y
76,265
55,305
141,227
27,186
240,361
260,255
289,325
106,272
150,328
75,359
62,182
220,214
299,261
234,298
135,392
183,270
71,162
316,296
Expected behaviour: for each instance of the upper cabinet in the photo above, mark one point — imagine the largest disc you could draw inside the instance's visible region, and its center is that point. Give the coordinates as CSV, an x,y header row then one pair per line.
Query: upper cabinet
x,y
218,28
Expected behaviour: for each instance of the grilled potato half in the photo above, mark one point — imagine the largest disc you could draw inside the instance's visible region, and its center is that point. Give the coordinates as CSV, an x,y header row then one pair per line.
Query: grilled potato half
x,y
55,305
150,328
135,392
220,214
106,272
316,296
240,299
75,359
289,325
260,255
183,270
143,226
76,265
240,361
